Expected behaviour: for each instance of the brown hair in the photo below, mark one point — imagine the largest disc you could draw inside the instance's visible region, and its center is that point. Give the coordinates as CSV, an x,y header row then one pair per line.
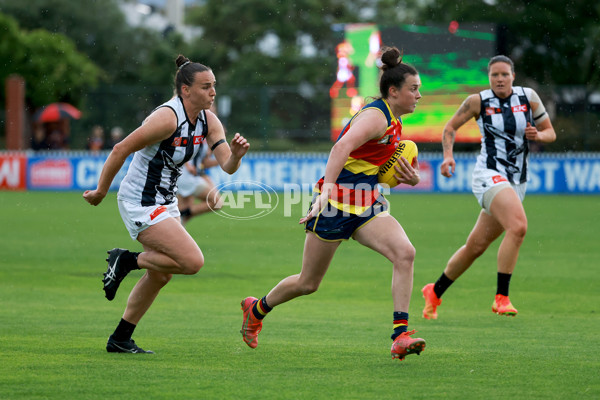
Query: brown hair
x,y
394,70
186,71
503,59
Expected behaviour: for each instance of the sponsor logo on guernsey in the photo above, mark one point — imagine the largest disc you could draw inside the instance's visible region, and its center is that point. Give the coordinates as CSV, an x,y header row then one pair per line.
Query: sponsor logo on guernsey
x,y
182,141
492,111
392,134
520,108
498,179
159,210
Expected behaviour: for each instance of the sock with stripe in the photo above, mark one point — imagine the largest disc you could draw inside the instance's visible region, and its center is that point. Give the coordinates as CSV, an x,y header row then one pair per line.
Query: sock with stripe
x,y
400,323
503,283
260,309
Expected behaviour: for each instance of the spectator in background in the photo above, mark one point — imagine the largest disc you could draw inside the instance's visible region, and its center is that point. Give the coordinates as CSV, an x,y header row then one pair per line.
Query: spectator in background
x,y
56,135
116,135
96,140
56,140
38,139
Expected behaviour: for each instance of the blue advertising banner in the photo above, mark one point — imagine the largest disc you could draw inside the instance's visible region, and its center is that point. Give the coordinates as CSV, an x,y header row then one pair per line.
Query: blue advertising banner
x,y
275,170
548,173
68,171
576,173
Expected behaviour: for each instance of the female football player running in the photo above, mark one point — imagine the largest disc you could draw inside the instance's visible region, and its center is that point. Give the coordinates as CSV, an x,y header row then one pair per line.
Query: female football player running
x,y
347,204
508,117
170,136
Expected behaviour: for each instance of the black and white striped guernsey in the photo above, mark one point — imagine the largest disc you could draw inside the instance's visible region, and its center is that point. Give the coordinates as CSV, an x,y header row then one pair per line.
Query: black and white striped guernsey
x,y
152,175
502,122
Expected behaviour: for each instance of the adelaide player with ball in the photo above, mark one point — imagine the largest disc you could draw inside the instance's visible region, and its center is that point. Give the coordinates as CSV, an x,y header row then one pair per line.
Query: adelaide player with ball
x,y
347,204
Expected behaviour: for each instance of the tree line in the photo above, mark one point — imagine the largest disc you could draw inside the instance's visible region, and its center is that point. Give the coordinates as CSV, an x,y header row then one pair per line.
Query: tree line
x,y
66,49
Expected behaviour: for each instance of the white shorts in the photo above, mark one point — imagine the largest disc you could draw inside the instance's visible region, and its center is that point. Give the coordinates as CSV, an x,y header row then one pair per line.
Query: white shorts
x,y
487,183
137,218
188,185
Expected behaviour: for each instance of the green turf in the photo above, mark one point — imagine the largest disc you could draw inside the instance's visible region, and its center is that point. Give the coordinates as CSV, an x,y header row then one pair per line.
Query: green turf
x,y
334,344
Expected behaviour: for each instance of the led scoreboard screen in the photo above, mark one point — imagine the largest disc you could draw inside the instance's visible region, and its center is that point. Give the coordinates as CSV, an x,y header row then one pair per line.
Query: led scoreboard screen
x,y
451,60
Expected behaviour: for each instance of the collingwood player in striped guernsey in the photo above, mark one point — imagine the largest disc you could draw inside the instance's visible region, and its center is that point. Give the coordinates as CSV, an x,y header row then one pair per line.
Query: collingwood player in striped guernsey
x,y
170,136
509,117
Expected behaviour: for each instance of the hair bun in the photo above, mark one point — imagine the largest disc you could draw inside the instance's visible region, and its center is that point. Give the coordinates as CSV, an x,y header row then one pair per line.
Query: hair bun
x,y
181,60
390,58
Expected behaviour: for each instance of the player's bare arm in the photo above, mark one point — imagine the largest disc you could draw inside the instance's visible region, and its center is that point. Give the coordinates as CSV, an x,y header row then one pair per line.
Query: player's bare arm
x,y
470,108
157,127
448,137
543,131
229,156
369,124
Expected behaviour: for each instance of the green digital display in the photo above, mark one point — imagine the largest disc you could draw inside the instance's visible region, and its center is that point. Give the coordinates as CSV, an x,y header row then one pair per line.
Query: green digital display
x,y
452,63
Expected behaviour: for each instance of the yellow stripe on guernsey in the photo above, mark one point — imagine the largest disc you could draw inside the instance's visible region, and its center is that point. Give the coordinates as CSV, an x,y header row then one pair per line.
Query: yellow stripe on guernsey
x,y
358,166
352,172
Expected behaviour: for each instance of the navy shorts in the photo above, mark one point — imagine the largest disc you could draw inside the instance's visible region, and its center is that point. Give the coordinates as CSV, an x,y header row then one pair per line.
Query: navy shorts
x,y
332,224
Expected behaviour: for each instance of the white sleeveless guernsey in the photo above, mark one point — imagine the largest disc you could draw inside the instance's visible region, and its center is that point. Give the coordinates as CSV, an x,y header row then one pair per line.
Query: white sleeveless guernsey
x,y
502,122
152,175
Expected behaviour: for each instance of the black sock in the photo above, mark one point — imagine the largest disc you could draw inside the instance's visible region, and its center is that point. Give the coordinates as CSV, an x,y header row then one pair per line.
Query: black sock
x,y
124,331
503,283
441,285
129,259
186,213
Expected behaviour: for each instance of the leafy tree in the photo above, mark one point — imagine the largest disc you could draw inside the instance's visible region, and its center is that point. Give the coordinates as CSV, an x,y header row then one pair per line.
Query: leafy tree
x,y
49,63
275,59
135,65
126,54
272,41
11,51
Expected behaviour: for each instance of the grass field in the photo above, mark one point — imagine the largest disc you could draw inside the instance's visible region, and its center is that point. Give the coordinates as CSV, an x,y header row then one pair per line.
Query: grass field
x,y
334,344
